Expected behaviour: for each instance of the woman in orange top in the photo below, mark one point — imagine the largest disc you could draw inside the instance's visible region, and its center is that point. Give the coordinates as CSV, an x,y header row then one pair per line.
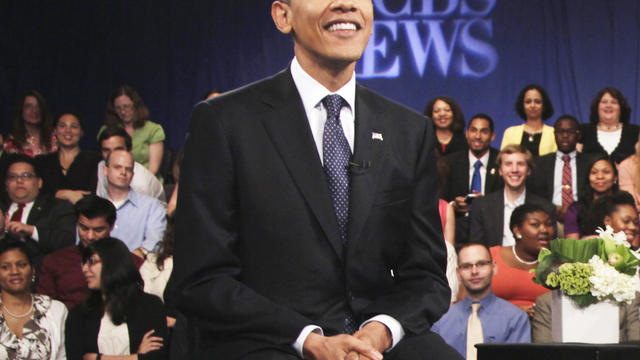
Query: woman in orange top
x,y
533,229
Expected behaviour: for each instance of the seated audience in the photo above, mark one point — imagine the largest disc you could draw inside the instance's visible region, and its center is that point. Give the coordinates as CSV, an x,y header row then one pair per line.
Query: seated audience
x,y
609,130
143,182
499,320
118,318
541,323
471,172
533,229
31,325
69,173
448,229
127,110
31,131
618,211
560,176
34,216
448,123
156,269
490,214
629,175
140,221
534,107
61,271
603,177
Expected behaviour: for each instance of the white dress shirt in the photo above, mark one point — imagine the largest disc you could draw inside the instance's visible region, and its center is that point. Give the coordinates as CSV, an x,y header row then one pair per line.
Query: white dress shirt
x,y
25,215
312,92
507,235
484,159
557,177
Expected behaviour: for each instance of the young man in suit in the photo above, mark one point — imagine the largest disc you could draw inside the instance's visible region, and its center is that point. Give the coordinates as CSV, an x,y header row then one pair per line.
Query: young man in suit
x,y
472,172
560,176
307,219
490,215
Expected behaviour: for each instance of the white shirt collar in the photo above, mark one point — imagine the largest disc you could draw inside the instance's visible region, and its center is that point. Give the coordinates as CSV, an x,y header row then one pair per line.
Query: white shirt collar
x,y
312,92
484,159
560,155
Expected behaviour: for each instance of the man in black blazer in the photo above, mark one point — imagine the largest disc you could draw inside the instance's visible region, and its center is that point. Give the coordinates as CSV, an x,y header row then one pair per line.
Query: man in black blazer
x,y
262,269
46,222
490,214
462,169
546,177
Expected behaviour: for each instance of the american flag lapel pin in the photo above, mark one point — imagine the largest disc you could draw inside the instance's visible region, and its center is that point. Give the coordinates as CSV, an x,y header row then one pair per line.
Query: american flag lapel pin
x,y
376,136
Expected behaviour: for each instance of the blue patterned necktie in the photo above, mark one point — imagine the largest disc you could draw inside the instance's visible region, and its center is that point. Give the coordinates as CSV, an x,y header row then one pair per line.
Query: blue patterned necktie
x,y
337,153
476,181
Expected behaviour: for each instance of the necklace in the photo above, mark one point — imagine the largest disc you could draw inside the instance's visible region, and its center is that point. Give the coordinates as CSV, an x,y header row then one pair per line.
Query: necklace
x,y
513,248
608,128
19,316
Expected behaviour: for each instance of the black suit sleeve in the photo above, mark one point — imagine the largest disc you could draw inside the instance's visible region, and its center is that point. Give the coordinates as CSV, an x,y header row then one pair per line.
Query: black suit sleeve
x,y
477,222
207,270
56,226
147,314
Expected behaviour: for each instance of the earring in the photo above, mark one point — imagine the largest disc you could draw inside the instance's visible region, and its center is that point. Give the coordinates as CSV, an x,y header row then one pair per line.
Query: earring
x,y
519,237
33,278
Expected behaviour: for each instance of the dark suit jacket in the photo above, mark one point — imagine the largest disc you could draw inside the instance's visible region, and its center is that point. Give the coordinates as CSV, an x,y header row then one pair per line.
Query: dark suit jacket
x,y
541,180
625,148
541,321
457,181
487,216
260,257
145,313
55,220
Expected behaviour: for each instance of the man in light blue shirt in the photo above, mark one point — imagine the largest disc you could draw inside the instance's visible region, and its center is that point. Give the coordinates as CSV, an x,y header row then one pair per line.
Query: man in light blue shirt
x,y
501,321
140,221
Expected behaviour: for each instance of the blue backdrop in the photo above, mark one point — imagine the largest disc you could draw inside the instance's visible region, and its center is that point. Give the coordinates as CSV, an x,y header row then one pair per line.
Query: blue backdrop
x,y
174,52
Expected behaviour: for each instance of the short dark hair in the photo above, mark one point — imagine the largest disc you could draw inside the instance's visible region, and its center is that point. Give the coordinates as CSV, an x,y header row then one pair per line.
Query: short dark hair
x,y
111,131
519,214
11,242
92,206
568,117
547,106
120,279
485,117
21,158
625,109
608,204
457,124
75,114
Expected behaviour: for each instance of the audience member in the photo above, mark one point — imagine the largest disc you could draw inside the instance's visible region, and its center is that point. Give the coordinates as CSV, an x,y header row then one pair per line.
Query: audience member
x,y
264,196
35,216
448,123
69,173
629,175
126,109
533,229
609,130
31,325
143,182
140,221
61,271
481,317
118,318
560,176
156,269
534,107
490,214
603,177
618,211
471,172
31,132
447,219
542,324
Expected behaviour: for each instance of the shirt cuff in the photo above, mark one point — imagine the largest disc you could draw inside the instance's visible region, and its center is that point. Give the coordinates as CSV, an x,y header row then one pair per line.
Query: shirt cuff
x,y
34,234
396,330
299,343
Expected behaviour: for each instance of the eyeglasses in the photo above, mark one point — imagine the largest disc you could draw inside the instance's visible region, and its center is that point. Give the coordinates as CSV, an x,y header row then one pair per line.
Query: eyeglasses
x,y
23,176
480,265
125,107
91,261
566,132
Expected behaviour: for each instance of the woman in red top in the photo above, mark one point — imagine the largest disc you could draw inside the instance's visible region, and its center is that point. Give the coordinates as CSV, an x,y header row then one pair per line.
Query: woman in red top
x,y
32,130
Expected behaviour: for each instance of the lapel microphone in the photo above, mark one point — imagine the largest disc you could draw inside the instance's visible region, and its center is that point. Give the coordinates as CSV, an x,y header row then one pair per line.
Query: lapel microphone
x,y
359,167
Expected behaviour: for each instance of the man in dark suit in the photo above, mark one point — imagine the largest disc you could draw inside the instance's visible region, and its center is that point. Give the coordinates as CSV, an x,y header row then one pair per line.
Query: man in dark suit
x,y
307,219
559,177
48,222
490,215
472,172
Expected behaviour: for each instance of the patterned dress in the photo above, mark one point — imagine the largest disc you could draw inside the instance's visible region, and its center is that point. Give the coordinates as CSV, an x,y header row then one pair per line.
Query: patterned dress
x,y
35,343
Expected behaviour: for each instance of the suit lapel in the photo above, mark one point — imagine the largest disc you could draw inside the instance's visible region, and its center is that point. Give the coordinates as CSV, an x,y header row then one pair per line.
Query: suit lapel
x,y
492,173
368,156
286,124
36,209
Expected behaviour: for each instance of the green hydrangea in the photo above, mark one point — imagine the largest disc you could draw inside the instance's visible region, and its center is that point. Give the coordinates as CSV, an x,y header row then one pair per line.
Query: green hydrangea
x,y
572,278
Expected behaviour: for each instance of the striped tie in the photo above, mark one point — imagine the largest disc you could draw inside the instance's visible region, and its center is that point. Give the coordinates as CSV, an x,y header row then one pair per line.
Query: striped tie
x,y
567,191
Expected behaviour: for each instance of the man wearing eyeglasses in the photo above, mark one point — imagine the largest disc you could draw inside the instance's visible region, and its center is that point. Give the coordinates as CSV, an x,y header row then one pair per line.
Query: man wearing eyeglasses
x,y
48,222
486,317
